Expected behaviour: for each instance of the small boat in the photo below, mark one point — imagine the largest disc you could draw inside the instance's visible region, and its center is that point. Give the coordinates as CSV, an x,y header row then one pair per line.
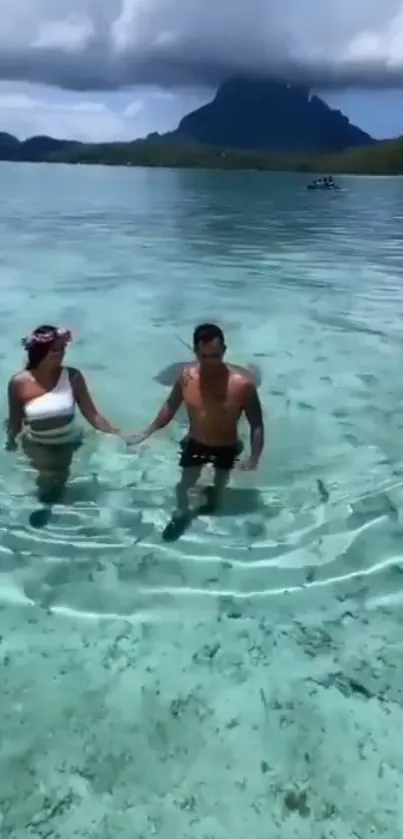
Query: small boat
x,y
323,184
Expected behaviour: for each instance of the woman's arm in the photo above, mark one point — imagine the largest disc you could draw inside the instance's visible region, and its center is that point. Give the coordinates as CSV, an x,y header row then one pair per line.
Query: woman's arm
x,y
15,415
86,405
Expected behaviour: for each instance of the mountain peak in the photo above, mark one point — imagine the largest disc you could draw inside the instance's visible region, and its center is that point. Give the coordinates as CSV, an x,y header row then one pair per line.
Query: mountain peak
x,y
266,115
255,87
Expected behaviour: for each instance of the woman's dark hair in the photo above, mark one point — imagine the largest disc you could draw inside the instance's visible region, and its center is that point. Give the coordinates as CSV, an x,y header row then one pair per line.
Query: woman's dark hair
x,y
207,332
37,351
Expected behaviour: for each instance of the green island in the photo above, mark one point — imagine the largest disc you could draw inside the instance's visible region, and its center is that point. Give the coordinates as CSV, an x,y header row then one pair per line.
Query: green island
x,y
383,158
251,123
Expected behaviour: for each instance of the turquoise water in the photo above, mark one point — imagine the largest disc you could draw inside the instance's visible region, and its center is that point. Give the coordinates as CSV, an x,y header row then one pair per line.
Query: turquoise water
x,y
246,680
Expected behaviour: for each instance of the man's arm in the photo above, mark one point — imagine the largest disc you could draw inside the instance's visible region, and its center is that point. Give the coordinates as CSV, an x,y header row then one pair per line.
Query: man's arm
x,y
165,415
254,415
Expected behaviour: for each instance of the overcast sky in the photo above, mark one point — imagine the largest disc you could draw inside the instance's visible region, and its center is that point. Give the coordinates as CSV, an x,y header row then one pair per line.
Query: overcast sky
x,y
110,69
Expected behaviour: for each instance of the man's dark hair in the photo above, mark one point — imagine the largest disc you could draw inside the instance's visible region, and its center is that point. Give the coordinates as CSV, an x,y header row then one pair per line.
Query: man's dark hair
x,y
207,332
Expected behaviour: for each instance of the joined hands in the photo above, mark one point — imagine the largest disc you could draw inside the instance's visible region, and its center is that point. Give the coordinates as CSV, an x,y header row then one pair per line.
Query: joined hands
x,y
135,439
247,465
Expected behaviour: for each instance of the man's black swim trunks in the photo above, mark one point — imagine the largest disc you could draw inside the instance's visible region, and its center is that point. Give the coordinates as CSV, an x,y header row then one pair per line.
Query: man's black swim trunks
x,y
198,454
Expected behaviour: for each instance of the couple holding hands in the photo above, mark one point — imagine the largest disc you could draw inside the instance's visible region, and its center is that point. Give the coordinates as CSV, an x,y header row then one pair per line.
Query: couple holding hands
x,y
42,401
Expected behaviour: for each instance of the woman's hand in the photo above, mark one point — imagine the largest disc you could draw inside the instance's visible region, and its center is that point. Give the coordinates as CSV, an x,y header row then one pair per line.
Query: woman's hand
x,y
249,464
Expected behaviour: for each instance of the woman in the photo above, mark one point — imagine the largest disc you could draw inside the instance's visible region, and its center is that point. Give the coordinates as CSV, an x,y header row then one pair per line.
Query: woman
x,y
42,400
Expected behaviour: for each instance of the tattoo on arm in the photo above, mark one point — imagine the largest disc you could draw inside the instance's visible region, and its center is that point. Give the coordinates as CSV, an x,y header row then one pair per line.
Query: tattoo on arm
x,y
254,415
168,410
253,410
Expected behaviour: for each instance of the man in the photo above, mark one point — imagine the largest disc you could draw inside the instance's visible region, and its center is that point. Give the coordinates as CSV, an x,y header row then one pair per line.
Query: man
x,y
215,395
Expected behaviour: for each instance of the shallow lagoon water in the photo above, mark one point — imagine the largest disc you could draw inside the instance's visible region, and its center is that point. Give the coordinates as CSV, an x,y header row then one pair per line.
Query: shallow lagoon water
x,y
245,680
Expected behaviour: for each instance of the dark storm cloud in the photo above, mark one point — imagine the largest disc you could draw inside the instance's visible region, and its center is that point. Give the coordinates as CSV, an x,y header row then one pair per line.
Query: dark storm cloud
x,y
102,44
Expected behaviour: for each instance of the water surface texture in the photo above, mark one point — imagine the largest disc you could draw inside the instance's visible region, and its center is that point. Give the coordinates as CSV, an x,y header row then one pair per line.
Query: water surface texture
x,y
245,681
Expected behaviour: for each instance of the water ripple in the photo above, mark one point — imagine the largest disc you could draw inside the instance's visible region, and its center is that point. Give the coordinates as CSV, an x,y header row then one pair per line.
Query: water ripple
x,y
261,652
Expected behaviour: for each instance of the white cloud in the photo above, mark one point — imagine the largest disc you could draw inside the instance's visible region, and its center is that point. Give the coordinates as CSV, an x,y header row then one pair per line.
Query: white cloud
x,y
72,34
27,110
25,115
95,44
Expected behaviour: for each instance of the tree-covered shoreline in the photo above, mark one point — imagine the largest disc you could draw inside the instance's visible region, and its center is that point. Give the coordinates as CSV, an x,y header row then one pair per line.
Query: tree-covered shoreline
x,y
383,158
176,151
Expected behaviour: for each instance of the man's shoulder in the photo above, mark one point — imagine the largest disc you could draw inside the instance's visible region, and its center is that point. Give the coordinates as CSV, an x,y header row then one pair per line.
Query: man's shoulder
x,y
241,376
189,372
